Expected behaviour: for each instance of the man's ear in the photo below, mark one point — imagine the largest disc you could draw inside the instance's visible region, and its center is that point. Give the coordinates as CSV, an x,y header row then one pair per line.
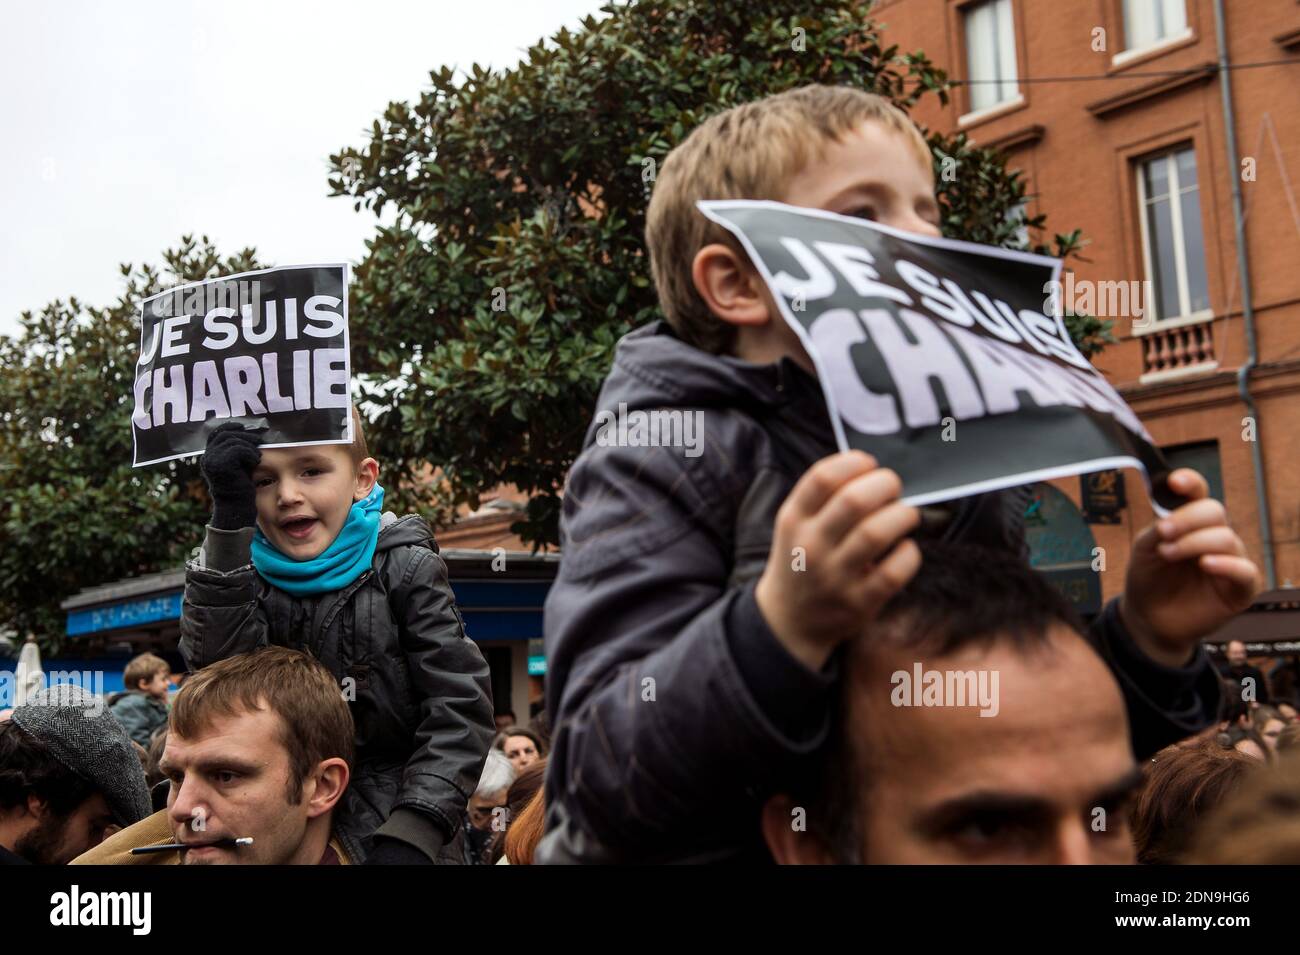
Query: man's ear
x,y
330,780
730,285
36,807
367,475
788,838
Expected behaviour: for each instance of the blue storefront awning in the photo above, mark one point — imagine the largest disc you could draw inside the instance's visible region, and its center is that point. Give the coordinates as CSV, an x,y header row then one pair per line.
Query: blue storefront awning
x,y
133,613
502,606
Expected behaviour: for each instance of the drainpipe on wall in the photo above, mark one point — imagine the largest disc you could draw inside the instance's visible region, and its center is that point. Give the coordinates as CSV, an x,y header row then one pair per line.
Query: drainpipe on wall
x,y
1247,304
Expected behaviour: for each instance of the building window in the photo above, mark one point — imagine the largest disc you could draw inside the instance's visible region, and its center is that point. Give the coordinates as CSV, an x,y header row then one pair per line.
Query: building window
x,y
1202,457
1018,217
1150,22
1172,241
990,54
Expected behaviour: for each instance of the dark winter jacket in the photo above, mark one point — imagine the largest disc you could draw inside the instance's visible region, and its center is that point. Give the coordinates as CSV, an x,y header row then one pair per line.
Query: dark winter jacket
x,y
675,709
419,689
139,713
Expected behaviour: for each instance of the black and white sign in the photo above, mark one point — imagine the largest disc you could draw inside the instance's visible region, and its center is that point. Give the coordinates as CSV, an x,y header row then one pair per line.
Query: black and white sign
x,y
267,348
938,357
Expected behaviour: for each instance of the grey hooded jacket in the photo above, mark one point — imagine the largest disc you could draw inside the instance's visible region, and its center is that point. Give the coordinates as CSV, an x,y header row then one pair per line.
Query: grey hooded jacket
x,y
675,709
140,715
418,687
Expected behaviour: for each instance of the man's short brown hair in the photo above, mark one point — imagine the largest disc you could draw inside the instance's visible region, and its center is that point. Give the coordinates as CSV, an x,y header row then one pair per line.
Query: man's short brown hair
x,y
750,151
144,667
315,722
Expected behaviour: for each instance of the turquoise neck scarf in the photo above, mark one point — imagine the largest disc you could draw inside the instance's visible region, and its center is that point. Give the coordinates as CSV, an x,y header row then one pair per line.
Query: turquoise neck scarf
x,y
346,559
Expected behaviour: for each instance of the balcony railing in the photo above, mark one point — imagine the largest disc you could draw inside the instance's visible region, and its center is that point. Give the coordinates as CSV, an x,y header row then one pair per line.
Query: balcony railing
x,y
1174,351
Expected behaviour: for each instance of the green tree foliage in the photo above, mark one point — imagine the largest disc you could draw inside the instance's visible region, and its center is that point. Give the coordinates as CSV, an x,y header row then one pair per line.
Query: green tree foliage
x,y
485,315
73,512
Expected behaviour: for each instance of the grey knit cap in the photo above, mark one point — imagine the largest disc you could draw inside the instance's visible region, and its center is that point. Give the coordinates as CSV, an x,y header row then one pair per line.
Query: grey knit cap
x,y
84,736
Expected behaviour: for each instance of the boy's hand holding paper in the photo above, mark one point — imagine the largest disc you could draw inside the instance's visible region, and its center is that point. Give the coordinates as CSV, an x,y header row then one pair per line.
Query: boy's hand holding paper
x,y
839,552
1187,576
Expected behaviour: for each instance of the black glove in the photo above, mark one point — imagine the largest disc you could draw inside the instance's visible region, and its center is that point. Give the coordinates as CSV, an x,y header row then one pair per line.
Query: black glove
x,y
227,466
396,852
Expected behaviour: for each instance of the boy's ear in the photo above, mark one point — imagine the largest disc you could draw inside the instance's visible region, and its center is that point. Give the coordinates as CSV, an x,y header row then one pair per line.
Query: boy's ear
x,y
730,285
367,475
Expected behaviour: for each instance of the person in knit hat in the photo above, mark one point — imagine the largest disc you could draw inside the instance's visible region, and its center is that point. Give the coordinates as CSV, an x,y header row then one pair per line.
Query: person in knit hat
x,y
68,777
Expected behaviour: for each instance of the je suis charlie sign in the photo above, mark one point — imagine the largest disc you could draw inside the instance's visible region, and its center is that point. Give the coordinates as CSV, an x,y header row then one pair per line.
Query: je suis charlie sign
x,y
945,360
268,349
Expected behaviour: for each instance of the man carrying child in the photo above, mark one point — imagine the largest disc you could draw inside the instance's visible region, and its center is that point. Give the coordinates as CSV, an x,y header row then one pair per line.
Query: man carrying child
x,y
300,553
694,633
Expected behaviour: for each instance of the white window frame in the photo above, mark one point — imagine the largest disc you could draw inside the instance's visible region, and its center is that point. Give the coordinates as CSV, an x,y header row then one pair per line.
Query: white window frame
x,y
1016,98
1020,211
1166,322
1131,52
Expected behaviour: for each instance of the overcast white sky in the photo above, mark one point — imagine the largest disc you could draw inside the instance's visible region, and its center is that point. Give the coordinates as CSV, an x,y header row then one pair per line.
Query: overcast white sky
x,y
126,125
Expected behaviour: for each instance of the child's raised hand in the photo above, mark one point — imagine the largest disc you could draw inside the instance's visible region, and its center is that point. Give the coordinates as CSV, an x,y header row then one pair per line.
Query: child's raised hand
x,y
1188,575
227,465
839,553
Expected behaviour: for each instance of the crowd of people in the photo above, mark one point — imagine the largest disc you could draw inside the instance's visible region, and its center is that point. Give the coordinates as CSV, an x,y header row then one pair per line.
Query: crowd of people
x,y
755,653
1242,773
79,785
260,747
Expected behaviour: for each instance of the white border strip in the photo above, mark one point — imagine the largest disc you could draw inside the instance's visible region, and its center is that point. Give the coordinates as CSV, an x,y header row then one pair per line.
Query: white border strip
x,y
239,275
291,444
1025,477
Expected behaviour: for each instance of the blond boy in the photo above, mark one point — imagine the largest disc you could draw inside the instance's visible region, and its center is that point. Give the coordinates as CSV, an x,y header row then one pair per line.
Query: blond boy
x,y
691,634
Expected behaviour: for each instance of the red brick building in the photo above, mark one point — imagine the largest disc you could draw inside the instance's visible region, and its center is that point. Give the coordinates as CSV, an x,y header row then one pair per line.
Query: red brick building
x,y
1114,111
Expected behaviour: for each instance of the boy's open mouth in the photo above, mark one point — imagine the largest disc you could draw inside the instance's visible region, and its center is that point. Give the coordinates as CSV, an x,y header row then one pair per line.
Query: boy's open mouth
x,y
298,528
